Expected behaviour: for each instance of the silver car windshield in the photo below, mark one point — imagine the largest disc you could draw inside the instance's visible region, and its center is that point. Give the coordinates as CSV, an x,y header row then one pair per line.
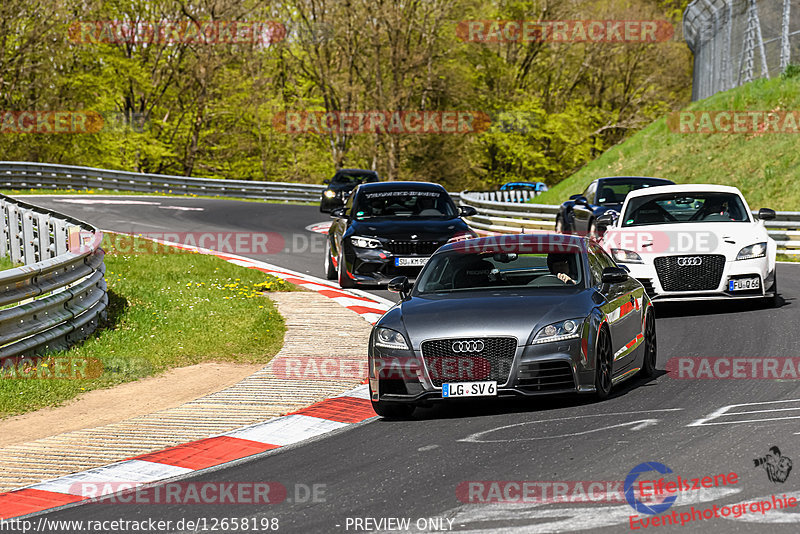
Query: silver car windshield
x,y
461,271
675,208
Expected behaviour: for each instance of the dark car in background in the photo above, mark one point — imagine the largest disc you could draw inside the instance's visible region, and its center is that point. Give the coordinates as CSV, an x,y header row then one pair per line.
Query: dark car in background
x,y
340,186
390,229
579,214
513,315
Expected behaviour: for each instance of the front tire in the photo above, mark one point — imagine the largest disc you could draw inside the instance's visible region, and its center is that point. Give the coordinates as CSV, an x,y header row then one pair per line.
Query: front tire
x,y
603,367
650,347
330,270
559,224
345,282
774,301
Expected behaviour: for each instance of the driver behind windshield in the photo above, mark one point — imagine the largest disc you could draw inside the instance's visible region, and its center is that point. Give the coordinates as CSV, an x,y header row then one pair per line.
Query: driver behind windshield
x,y
559,265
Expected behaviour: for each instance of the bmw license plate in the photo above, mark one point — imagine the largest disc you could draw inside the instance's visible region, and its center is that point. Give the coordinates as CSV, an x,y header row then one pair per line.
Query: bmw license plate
x,y
743,284
469,389
410,262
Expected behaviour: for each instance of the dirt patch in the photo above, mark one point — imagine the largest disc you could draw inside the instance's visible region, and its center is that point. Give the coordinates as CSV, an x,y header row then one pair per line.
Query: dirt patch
x,y
104,406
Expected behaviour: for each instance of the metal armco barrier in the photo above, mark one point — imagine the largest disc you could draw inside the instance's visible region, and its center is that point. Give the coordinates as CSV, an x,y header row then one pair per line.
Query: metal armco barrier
x,y
22,175
514,218
59,295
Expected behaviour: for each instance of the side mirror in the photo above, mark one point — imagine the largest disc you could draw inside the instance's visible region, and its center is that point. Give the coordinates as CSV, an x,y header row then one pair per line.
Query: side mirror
x,y
400,285
339,212
326,181
582,200
605,220
573,197
467,211
614,275
766,214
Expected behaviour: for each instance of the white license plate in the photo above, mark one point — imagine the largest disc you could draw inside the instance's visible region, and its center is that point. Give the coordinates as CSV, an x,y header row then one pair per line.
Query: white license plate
x,y
410,262
469,389
743,284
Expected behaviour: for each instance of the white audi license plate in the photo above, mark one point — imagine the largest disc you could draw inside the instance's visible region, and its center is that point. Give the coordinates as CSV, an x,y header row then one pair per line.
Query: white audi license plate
x,y
410,262
743,284
469,389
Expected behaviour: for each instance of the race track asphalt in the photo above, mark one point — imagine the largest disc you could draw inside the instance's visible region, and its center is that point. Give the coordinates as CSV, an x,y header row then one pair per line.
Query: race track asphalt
x,y
413,469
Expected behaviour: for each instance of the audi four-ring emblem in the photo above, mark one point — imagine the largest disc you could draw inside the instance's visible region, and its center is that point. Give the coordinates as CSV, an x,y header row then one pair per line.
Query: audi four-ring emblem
x,y
473,345
692,260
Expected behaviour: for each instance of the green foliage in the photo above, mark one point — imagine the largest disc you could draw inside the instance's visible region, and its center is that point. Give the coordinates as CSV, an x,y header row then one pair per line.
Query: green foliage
x,y
207,110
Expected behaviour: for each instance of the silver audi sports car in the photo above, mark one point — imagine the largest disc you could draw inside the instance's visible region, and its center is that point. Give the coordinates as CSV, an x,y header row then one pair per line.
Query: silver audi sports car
x,y
524,314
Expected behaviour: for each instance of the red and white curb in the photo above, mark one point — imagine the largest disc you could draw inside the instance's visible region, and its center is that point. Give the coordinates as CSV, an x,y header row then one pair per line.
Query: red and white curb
x,y
326,416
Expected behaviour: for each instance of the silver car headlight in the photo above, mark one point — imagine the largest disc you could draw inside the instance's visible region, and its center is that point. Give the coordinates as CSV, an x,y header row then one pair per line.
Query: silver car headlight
x,y
329,194
625,256
364,242
389,339
758,250
569,329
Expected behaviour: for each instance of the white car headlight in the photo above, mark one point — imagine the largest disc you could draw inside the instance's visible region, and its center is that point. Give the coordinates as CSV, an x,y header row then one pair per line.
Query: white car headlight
x,y
329,194
625,256
364,242
569,329
758,250
390,339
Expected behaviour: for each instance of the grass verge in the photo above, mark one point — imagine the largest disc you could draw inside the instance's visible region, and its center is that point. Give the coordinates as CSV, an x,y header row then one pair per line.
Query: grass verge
x,y
165,311
764,166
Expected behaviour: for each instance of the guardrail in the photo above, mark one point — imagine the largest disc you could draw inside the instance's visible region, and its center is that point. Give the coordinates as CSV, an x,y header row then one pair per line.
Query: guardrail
x,y
23,175
511,218
59,295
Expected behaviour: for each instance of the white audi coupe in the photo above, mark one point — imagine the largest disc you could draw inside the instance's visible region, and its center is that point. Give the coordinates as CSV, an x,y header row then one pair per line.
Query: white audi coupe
x,y
693,242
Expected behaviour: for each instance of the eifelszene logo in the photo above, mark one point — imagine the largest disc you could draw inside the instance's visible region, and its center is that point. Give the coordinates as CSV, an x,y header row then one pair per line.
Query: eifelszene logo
x,y
630,485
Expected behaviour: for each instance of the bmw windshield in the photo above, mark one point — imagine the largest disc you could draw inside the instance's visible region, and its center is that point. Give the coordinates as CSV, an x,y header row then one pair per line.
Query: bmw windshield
x,y
457,270
404,204
673,208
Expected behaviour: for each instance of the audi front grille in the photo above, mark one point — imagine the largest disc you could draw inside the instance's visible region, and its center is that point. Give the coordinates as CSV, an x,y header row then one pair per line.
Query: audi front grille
x,y
701,272
551,375
425,248
492,362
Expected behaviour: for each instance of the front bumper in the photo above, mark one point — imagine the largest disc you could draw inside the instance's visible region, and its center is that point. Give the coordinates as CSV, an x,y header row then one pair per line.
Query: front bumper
x,y
377,266
545,369
648,275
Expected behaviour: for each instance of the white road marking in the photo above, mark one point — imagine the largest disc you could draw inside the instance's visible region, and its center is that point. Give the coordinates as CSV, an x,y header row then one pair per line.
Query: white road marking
x,y
287,429
725,412
104,201
641,423
180,208
529,517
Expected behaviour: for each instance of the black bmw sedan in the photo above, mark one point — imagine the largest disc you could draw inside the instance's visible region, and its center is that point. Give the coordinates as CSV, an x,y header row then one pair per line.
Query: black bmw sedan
x,y
512,315
340,186
390,229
